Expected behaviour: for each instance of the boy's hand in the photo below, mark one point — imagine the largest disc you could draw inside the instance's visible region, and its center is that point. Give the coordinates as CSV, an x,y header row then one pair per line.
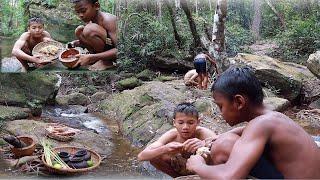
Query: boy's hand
x,y
36,59
191,145
194,161
173,147
84,59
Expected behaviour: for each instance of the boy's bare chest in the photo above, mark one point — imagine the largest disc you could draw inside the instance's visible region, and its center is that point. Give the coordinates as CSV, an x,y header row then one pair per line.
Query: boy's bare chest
x,y
31,43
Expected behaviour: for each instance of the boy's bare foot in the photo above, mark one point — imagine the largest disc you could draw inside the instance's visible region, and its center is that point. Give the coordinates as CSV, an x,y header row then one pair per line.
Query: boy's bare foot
x,y
101,65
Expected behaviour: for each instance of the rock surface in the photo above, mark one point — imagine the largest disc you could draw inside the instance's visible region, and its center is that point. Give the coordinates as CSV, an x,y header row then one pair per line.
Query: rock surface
x,y
284,77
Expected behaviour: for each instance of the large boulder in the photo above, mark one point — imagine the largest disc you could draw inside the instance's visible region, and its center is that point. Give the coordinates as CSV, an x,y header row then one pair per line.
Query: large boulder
x,y
313,63
84,138
31,90
284,77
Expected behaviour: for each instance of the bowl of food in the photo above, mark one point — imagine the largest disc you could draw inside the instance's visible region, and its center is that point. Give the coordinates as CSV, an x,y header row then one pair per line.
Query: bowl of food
x,y
24,151
68,57
48,51
73,160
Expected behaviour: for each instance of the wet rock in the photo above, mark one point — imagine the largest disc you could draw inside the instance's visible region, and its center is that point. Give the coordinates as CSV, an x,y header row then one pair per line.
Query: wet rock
x,y
99,96
72,99
284,77
31,90
84,138
313,63
128,83
276,104
12,113
146,75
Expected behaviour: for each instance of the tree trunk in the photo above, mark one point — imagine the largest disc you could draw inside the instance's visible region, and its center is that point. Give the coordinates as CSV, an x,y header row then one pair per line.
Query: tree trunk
x,y
159,9
217,48
256,19
279,15
173,22
192,24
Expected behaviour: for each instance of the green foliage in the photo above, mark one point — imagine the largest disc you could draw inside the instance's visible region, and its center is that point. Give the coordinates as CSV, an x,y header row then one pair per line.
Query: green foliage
x,y
108,6
301,38
236,38
13,20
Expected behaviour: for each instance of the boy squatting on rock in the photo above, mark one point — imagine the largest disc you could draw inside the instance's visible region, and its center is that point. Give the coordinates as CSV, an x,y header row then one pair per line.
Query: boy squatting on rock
x,y
269,138
22,48
99,35
171,151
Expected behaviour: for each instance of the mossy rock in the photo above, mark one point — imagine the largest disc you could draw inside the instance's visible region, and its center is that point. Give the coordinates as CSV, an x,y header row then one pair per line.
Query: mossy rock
x,y
26,90
128,83
146,75
72,99
8,113
166,78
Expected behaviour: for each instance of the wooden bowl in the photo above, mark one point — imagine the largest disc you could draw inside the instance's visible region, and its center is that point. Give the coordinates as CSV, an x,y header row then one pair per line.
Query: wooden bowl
x,y
67,57
36,50
26,151
95,157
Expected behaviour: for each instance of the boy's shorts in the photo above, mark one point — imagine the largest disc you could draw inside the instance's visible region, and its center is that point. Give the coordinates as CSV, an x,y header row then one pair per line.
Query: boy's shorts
x,y
200,65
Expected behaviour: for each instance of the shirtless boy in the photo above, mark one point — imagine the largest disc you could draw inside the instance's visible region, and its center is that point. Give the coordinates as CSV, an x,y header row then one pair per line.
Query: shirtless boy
x,y
22,49
171,151
284,143
99,35
202,63
190,78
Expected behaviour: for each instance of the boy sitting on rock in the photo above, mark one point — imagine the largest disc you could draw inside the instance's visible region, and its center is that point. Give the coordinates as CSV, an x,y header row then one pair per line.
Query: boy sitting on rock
x,y
190,78
285,145
23,47
171,151
99,35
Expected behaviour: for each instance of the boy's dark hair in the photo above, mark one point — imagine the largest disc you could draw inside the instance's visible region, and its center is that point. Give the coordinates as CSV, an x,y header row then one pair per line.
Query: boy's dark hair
x,y
239,80
90,1
35,20
186,108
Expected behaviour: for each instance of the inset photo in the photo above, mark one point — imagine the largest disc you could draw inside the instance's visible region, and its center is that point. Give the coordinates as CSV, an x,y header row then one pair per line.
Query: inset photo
x,y
69,35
